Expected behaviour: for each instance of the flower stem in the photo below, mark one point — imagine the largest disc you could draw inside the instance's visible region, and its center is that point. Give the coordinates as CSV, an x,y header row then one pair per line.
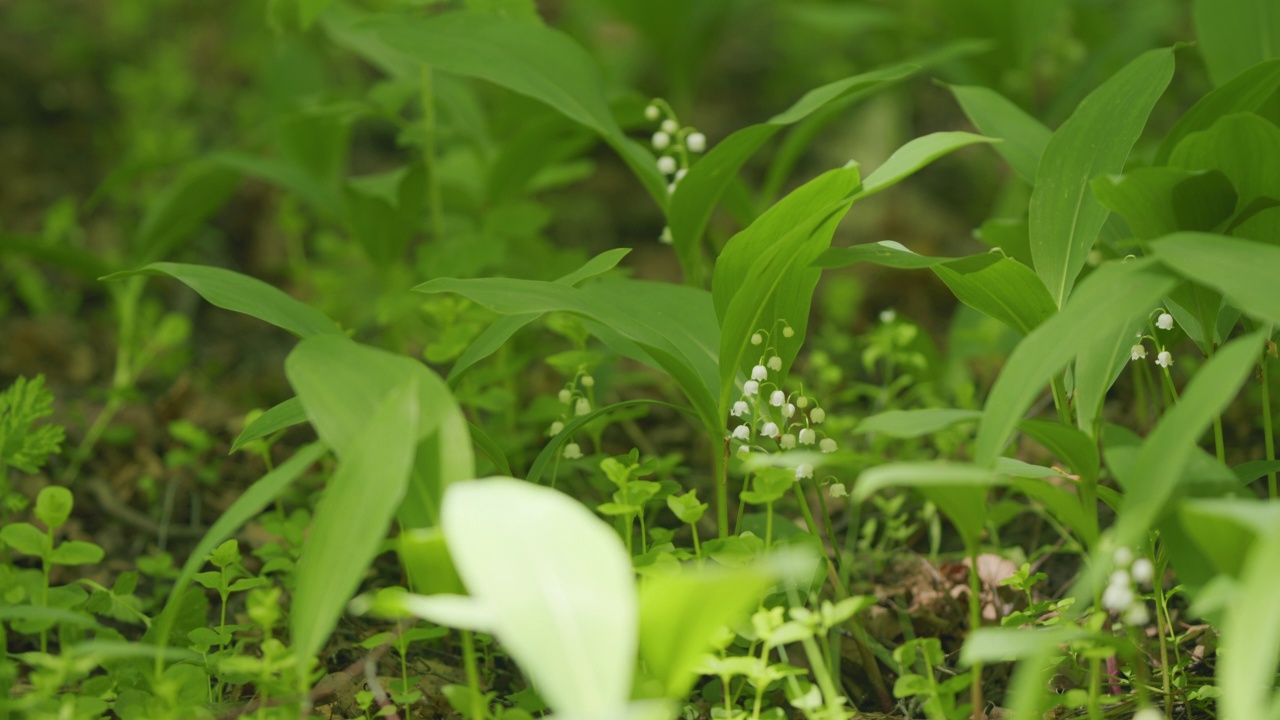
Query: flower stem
x,y
1268,433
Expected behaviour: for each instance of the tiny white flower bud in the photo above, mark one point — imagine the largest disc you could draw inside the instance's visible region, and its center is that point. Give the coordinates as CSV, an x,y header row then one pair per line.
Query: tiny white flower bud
x,y
666,165
828,445
788,410
1143,571
744,449
565,396
759,373
681,173
1123,556
807,436
1119,578
666,238
838,490
769,430
777,398
1165,321
1117,598
671,127
817,415
1164,359
804,471
756,339
786,442
787,331
572,451
802,402
696,142
888,316
652,112
740,408
582,407
750,387
588,381
1137,352
555,428
1137,614
742,432
671,189
661,140
775,363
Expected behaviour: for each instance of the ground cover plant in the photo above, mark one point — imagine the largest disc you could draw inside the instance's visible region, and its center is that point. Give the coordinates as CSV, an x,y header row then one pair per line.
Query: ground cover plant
x,y
510,360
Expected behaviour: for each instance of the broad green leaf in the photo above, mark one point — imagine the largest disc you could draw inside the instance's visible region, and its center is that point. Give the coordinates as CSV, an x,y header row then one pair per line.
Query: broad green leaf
x,y
659,324
1065,217
340,384
243,294
1243,147
996,116
490,448
1071,446
1235,35
1012,235
1227,528
286,414
1261,226
558,585
528,58
990,645
1250,471
997,286
1199,311
1157,201
1063,504
1245,93
1105,303
353,516
1251,635
914,423
958,490
284,174
1242,270
916,154
426,560
1097,367
1152,479
197,193
677,623
252,501
498,333
697,194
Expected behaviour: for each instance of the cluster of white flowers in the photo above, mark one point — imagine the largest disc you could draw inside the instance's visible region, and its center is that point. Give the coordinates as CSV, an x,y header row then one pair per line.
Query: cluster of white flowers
x,y
1121,596
1164,358
788,419
575,397
673,143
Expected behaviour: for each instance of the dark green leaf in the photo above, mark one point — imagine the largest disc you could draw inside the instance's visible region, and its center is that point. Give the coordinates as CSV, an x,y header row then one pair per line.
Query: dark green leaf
x,y
1024,137
1235,35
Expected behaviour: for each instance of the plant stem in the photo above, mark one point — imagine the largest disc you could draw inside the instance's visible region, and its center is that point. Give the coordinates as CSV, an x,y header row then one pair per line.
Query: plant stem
x,y
722,490
1060,400
473,675
975,621
1268,436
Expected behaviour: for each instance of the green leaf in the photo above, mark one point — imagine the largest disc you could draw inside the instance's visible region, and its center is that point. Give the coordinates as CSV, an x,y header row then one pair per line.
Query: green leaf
x,y
286,414
1157,201
996,116
555,583
1105,303
74,552
22,445
958,490
497,334
427,561
1242,270
1251,635
914,423
1226,529
916,154
1097,367
340,384
1243,147
241,293
1077,450
490,448
988,645
1235,35
352,517
198,192
697,194
528,58
25,538
1246,92
1065,217
53,506
253,501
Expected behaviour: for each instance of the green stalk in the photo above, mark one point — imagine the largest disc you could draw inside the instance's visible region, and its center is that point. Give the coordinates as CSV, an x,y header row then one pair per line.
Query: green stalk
x,y
1268,437
1060,400
975,621
721,470
473,675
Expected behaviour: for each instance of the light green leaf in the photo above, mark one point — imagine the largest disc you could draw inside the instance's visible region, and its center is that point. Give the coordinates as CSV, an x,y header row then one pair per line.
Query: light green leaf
x,y
1251,635
243,294
677,623
989,644
353,516
914,423
1245,93
997,117
197,193
916,154
1242,270
558,584
1097,367
1157,201
1226,529
53,506
74,552
1235,35
1243,147
1077,450
958,490
286,414
1065,217
1104,303
25,538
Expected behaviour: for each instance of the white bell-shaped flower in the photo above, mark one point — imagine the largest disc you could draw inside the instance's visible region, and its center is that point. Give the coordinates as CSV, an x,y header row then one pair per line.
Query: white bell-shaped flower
x,y
661,140
788,410
817,415
555,428
750,387
667,165
1137,352
787,331
756,338
770,429
1143,571
696,142
759,372
1164,359
669,126
827,445
775,363
808,436
1165,321
588,381
565,396
740,409
582,407
805,470
742,432
787,441
666,237
572,451
652,112
777,398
